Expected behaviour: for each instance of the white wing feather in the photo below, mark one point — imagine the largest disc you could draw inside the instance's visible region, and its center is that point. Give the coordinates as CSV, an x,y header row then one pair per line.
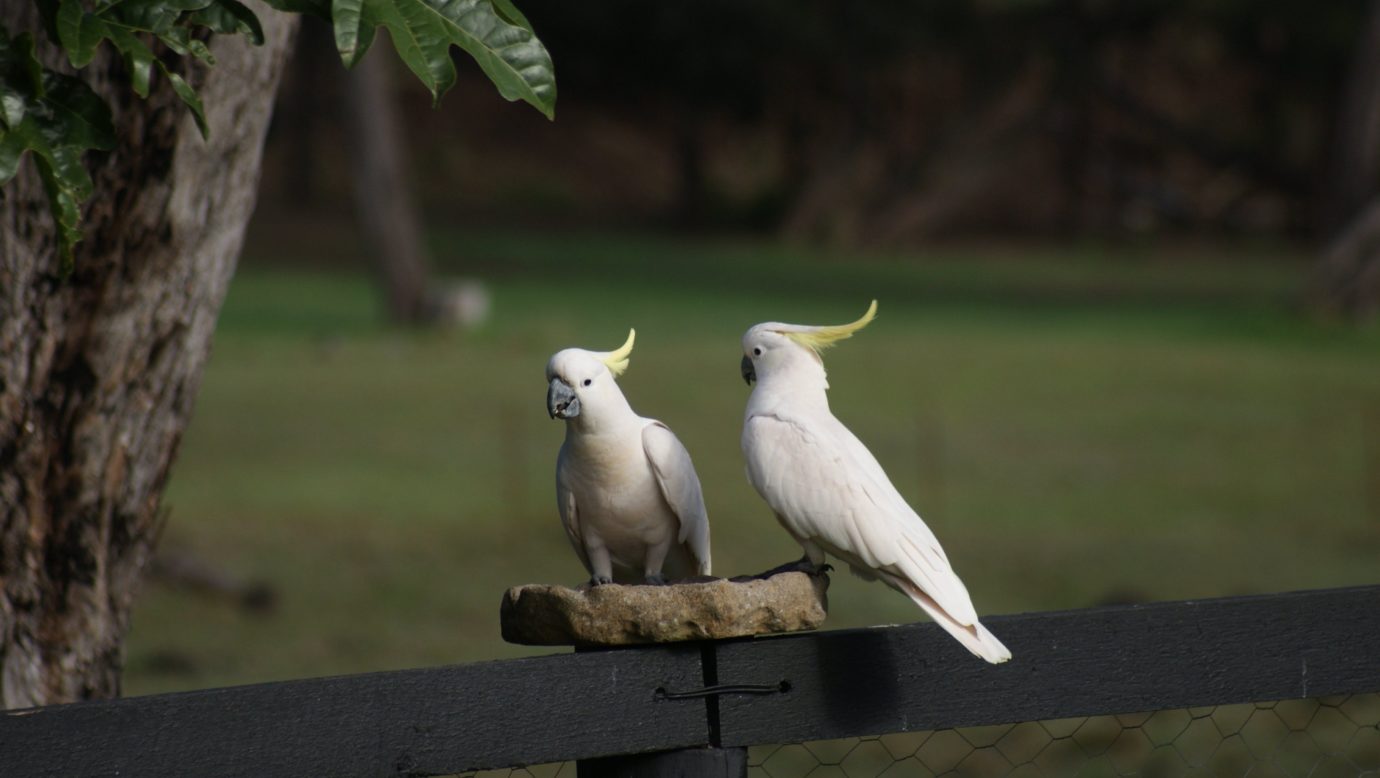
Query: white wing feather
x,y
819,478
675,474
570,517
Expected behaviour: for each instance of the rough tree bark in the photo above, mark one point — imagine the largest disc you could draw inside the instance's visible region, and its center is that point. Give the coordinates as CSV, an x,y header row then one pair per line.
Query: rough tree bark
x,y
98,371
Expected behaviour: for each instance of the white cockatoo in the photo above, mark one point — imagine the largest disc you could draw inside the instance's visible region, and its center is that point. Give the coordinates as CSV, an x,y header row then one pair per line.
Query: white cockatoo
x,y
627,491
827,489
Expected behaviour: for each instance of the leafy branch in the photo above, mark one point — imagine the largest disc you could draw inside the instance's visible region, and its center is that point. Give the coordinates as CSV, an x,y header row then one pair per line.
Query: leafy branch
x,y
58,118
128,23
493,32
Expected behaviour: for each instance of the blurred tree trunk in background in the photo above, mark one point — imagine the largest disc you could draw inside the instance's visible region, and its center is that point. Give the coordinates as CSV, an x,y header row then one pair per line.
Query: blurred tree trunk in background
x,y
1355,164
691,189
99,370
1349,274
1350,270
1077,74
306,108
387,213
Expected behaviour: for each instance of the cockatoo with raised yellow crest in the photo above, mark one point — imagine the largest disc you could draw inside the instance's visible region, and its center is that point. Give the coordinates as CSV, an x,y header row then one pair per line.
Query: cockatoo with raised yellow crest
x,y
626,489
827,489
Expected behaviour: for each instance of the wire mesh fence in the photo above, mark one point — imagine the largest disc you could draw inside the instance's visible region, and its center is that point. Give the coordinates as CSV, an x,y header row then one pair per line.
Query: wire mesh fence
x,y
1326,737
1306,738
556,770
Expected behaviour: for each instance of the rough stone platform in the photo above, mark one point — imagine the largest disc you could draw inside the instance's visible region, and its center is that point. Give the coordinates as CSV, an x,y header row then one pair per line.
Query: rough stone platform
x,y
704,609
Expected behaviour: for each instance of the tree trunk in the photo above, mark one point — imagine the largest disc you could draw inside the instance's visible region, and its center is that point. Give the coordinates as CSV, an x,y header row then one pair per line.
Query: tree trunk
x,y
692,192
98,371
1356,153
382,197
305,110
1347,279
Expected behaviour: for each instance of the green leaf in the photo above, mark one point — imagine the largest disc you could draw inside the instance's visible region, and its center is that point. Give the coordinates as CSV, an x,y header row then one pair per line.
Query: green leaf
x,y
47,12
11,107
201,51
64,179
26,67
17,79
123,22
11,149
511,14
65,161
366,39
352,33
156,16
180,40
187,6
55,119
190,97
68,23
320,8
66,210
138,57
228,17
81,115
493,32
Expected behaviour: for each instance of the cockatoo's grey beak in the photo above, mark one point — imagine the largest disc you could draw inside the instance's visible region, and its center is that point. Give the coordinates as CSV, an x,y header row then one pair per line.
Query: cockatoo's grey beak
x,y
561,401
749,375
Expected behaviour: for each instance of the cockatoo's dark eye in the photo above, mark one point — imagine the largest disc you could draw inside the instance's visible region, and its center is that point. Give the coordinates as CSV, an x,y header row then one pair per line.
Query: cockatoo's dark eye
x,y
757,352
588,381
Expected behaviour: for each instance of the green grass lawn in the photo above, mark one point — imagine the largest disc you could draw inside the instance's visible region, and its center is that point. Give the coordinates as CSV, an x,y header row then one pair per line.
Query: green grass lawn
x,y
1077,426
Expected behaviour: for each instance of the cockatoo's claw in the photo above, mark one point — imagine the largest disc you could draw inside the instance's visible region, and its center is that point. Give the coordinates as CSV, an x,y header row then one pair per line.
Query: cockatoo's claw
x,y
811,569
656,579
600,580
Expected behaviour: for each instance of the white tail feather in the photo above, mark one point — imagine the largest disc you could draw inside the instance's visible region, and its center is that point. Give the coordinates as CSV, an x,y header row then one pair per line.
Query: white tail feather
x,y
975,637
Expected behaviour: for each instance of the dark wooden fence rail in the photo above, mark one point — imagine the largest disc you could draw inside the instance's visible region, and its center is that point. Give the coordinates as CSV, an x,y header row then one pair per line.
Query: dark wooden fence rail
x,y
735,693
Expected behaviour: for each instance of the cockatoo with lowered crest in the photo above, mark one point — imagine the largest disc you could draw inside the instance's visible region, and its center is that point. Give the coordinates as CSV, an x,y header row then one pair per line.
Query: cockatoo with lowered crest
x,y
627,491
827,489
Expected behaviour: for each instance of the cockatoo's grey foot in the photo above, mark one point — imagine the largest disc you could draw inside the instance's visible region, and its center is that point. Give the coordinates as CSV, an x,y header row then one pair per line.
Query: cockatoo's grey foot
x,y
655,579
600,580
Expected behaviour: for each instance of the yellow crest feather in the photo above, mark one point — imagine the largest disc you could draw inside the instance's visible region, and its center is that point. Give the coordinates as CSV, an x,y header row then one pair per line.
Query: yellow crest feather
x,y
820,338
617,361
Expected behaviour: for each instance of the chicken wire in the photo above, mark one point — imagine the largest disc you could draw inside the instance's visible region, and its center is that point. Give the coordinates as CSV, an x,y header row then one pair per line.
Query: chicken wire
x,y
556,770
1307,738
1327,737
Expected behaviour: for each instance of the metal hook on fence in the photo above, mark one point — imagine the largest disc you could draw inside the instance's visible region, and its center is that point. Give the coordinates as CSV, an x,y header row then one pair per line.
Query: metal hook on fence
x,y
662,693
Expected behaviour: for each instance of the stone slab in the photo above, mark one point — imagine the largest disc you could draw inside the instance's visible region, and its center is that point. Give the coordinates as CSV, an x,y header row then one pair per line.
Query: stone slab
x,y
705,609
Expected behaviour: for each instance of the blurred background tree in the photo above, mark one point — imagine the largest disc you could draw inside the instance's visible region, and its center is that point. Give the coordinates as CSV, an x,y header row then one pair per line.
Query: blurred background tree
x,y
900,123
113,268
1349,278
103,348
